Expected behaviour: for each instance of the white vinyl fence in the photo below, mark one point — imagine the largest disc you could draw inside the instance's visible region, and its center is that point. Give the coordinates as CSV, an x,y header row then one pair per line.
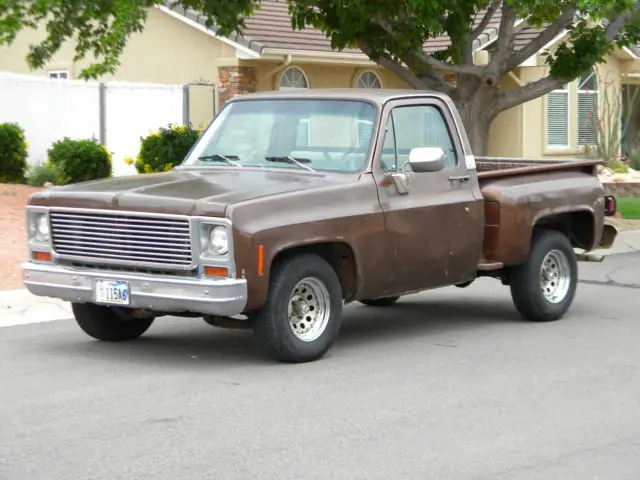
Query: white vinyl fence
x,y
115,113
134,109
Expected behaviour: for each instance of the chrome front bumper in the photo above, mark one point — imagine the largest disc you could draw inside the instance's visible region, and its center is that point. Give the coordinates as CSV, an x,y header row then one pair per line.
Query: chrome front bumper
x,y
224,297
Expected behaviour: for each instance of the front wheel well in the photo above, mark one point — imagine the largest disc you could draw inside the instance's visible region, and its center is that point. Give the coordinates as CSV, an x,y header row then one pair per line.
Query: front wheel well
x,y
578,226
338,254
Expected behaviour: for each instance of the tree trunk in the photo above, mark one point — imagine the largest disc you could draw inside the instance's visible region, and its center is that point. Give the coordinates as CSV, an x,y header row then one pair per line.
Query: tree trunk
x,y
476,122
475,99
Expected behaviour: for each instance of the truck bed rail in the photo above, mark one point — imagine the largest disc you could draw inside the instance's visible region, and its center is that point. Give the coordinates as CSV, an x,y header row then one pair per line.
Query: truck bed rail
x,y
495,167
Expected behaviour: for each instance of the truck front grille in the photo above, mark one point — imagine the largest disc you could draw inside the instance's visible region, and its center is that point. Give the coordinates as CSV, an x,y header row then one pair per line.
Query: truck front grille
x,y
122,239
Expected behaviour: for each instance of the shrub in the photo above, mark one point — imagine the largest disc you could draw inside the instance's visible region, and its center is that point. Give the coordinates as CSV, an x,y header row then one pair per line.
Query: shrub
x,y
13,153
79,160
617,166
161,151
40,174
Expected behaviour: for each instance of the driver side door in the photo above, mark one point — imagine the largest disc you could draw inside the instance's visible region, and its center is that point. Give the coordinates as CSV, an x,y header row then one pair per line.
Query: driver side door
x,y
430,229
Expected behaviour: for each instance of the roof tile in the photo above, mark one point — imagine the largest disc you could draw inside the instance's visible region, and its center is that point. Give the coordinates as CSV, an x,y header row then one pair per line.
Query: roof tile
x,y
270,27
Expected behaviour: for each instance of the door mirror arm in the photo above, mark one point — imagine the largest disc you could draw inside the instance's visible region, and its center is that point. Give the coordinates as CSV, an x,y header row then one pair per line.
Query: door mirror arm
x,y
402,181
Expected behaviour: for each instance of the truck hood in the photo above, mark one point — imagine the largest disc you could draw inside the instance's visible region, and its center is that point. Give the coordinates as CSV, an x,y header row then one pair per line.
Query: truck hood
x,y
206,192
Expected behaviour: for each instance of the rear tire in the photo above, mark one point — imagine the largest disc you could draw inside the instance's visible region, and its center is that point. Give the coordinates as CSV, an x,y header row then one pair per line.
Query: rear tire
x,y
303,313
380,302
103,323
544,286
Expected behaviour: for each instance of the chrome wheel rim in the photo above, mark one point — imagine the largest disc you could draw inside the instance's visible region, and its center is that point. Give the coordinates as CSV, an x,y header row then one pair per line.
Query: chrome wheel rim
x,y
555,276
309,309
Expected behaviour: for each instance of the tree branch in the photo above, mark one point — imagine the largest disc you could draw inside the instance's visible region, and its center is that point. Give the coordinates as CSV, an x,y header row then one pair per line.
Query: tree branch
x,y
541,87
467,49
473,70
428,59
505,34
551,32
527,92
491,10
402,72
616,24
431,77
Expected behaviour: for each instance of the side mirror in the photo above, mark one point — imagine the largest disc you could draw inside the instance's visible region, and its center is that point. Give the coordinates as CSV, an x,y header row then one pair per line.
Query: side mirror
x,y
426,159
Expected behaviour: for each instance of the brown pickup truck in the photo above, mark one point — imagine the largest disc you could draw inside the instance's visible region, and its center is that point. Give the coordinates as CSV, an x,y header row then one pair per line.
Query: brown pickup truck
x,y
293,203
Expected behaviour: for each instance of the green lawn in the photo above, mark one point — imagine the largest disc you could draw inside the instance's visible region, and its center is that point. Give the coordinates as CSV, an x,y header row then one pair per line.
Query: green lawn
x,y
629,207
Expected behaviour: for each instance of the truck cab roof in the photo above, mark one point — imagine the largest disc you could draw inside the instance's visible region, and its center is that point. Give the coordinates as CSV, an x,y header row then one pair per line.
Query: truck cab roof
x,y
379,96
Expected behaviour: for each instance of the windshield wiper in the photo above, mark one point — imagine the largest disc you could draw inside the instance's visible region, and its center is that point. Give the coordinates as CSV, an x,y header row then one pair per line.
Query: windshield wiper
x,y
216,157
300,162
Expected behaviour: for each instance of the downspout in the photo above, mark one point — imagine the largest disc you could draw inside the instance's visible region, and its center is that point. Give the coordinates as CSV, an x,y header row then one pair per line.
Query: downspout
x,y
279,68
516,79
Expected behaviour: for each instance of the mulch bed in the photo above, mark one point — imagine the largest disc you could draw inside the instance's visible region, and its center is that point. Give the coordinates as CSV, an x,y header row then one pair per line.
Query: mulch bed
x,y
13,235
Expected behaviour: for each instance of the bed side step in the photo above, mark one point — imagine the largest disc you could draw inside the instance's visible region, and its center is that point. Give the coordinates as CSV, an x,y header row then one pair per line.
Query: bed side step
x,y
589,257
485,265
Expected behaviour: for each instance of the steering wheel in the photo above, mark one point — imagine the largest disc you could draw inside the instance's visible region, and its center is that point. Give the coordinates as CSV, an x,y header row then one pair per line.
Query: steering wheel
x,y
349,152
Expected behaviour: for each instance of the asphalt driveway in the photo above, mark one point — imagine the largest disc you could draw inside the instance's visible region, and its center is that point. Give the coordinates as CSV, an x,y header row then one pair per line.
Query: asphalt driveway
x,y
448,384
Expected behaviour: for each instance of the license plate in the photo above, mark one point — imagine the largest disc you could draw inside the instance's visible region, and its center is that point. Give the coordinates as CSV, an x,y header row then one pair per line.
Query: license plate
x,y
112,292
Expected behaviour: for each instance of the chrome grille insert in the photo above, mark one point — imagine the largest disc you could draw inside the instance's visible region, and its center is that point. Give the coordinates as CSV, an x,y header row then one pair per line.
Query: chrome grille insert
x,y
122,238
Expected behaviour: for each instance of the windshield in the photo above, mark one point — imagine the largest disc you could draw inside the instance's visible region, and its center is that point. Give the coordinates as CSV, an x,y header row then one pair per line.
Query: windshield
x,y
329,135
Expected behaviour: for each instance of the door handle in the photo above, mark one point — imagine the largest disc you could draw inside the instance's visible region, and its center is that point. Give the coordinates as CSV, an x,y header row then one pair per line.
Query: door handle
x,y
459,178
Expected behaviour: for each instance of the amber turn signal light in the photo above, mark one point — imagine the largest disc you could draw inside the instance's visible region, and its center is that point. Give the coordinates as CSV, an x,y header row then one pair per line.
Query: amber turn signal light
x,y
216,271
42,256
260,259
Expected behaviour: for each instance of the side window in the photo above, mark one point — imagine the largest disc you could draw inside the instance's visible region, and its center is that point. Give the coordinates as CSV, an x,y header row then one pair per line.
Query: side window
x,y
418,126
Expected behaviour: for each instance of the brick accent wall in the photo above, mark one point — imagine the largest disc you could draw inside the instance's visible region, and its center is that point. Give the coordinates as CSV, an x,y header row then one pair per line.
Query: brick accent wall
x,y
236,81
622,189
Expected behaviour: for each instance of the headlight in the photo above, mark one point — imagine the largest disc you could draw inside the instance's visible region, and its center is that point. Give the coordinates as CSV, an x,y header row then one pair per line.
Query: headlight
x,y
43,227
218,240
39,227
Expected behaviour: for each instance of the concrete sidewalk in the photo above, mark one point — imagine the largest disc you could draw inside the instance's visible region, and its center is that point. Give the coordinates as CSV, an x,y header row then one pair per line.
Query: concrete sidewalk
x,y
627,242
19,307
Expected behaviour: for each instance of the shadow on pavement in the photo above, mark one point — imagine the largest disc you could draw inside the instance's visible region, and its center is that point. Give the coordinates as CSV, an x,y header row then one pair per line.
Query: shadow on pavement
x,y
414,316
179,341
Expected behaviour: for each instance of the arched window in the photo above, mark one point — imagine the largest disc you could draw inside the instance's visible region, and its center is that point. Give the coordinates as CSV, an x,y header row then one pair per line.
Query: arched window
x,y
293,77
587,107
369,79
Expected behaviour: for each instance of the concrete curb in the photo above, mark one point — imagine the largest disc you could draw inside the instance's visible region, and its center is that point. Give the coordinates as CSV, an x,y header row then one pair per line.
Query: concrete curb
x,y
20,307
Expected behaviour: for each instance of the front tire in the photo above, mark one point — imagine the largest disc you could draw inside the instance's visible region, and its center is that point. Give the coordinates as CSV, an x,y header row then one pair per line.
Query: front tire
x,y
303,312
544,286
103,323
380,302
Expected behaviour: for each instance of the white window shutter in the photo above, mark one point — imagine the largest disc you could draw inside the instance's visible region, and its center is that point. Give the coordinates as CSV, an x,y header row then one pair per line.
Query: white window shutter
x,y
587,115
558,119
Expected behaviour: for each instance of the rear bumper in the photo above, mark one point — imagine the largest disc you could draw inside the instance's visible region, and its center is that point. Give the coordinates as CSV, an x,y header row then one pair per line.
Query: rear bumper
x,y
224,297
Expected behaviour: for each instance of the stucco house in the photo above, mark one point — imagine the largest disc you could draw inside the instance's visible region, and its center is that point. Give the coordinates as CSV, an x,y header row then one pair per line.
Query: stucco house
x,y
176,47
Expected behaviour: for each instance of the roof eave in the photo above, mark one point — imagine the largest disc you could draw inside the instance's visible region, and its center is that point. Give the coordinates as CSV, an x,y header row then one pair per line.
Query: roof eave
x,y
314,56
489,36
632,51
252,49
